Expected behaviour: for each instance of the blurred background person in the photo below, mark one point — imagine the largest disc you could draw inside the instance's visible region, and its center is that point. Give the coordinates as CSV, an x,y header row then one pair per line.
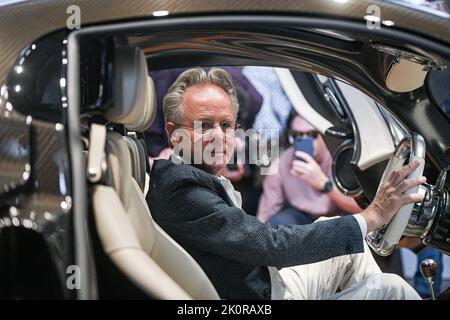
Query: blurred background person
x,y
301,189
276,107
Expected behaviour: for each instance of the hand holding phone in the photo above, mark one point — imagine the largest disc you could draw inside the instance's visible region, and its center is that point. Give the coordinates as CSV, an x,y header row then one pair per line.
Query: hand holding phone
x,y
304,144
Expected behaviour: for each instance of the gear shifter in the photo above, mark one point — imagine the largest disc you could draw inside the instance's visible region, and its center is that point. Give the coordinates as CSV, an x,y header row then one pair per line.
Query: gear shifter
x,y
428,269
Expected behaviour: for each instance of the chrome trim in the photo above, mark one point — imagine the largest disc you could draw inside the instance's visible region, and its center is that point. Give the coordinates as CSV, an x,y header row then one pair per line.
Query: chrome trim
x,y
412,146
423,213
428,63
398,131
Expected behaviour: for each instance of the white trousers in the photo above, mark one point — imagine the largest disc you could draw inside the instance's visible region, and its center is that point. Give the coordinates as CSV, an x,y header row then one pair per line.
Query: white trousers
x,y
357,276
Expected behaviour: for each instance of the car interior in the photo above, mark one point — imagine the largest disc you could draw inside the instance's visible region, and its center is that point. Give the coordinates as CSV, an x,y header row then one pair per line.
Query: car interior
x,y
127,232
363,92
352,114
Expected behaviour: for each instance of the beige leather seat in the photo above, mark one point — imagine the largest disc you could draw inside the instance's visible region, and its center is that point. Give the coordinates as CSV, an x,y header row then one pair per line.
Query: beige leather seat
x,y
138,160
140,249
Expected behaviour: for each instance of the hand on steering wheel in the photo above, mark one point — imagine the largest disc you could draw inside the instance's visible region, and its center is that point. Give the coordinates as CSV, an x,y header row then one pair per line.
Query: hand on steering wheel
x,y
390,197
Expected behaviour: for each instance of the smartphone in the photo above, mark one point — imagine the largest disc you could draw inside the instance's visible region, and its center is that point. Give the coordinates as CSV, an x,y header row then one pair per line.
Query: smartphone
x,y
304,144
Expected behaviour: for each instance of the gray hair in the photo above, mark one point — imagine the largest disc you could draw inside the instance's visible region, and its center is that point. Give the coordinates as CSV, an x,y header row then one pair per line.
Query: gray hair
x,y
173,101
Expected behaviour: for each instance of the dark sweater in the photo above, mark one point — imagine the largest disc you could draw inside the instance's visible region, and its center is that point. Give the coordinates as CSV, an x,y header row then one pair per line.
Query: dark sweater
x,y
232,247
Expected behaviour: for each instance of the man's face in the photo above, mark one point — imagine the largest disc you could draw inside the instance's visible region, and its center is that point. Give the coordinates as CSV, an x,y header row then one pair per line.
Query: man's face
x,y
209,108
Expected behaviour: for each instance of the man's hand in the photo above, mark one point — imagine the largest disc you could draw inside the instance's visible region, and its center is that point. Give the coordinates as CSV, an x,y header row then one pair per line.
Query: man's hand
x,y
309,171
390,197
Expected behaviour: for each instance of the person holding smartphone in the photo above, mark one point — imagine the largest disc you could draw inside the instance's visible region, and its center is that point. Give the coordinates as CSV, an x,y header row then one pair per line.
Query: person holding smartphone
x,y
300,190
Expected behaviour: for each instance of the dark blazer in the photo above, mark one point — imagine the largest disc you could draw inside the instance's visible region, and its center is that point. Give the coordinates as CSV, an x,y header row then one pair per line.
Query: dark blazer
x,y
232,247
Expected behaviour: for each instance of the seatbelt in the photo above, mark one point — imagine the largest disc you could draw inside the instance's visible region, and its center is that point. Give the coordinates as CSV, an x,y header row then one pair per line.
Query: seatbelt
x,y
97,138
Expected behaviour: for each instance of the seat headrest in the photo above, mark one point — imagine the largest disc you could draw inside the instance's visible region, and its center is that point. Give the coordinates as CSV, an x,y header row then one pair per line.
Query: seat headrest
x,y
134,91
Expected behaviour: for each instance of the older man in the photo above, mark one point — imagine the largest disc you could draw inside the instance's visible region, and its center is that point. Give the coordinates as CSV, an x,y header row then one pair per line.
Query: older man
x,y
243,257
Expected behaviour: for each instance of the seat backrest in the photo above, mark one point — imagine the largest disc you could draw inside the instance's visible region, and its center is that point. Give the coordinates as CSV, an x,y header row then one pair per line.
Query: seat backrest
x,y
135,243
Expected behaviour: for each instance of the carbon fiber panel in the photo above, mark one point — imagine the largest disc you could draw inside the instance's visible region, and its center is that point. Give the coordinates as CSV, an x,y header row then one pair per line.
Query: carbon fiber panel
x,y
24,22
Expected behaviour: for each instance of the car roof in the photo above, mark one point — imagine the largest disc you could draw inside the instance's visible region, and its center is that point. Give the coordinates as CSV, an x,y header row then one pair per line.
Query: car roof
x,y
22,22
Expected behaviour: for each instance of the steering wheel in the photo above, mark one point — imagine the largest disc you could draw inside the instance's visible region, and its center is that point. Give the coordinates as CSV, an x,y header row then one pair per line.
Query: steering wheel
x,y
383,240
